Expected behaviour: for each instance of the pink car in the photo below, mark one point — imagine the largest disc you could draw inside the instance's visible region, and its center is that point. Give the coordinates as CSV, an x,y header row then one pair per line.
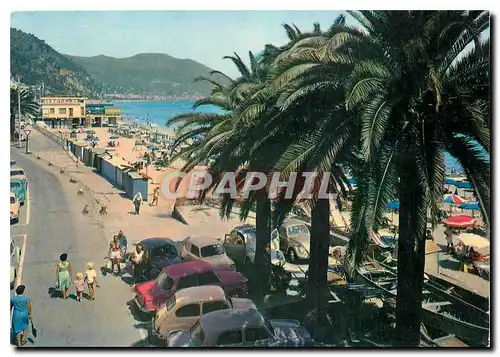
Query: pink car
x,y
151,295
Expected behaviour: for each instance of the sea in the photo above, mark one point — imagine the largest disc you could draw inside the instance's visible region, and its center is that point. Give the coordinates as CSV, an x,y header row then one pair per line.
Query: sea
x,y
160,113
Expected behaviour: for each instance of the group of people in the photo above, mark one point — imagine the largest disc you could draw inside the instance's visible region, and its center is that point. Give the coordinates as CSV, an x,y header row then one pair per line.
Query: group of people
x,y
64,275
137,200
118,251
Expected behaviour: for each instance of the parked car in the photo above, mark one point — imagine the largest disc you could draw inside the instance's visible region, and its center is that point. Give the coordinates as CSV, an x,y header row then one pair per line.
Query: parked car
x,y
15,256
158,253
242,328
152,294
14,208
186,306
206,249
17,187
18,172
240,243
294,239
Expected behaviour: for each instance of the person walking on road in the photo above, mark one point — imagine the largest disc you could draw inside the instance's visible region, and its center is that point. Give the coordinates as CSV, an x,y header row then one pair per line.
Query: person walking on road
x,y
115,255
123,243
64,274
79,285
156,195
137,202
21,313
91,279
137,259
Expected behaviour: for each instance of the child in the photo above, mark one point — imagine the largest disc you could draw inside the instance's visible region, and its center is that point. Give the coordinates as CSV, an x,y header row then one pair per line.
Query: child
x,y
79,286
91,279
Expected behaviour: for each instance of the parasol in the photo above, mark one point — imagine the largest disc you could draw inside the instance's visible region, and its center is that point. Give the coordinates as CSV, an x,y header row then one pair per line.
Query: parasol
x,y
453,199
474,206
114,137
461,221
394,205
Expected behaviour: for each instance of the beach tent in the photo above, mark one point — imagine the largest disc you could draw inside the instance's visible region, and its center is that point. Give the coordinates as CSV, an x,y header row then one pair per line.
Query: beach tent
x,y
461,221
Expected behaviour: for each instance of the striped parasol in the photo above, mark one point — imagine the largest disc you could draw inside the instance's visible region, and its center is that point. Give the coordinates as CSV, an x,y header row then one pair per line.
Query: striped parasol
x,y
453,199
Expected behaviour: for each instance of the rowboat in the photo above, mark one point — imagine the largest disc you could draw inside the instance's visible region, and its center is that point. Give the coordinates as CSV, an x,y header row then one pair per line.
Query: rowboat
x,y
440,309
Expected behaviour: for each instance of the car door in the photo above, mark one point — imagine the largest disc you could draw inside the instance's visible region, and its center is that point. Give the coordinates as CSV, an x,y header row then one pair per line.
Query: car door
x,y
257,336
232,338
234,244
185,317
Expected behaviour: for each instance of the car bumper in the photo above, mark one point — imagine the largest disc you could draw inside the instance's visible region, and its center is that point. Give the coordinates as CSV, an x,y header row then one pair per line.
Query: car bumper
x,y
142,308
155,337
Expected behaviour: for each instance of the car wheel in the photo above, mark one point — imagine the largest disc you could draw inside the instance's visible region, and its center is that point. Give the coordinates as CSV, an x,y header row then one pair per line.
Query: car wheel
x,y
292,255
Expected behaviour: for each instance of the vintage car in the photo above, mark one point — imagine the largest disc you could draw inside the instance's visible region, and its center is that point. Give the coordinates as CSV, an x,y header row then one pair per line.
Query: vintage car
x,y
14,208
206,249
158,253
294,239
17,187
242,328
240,243
186,306
15,256
152,294
18,172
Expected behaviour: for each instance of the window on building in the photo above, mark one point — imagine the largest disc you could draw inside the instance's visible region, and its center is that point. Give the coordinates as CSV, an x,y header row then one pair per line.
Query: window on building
x,y
70,112
62,111
52,110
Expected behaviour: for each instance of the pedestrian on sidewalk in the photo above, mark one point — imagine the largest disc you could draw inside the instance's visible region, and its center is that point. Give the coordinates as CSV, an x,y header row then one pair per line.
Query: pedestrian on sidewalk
x,y
156,195
91,279
137,202
21,315
79,285
123,243
137,263
114,254
64,274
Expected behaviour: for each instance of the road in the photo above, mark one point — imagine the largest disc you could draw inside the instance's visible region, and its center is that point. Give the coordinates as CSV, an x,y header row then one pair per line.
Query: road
x,y
52,223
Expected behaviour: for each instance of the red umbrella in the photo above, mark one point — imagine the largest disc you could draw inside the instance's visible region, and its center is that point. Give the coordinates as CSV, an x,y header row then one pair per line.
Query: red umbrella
x,y
461,221
451,198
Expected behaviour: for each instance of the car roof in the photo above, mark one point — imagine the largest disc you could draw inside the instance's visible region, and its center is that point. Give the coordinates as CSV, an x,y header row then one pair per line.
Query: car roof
x,y
149,243
245,229
219,321
201,293
188,268
203,241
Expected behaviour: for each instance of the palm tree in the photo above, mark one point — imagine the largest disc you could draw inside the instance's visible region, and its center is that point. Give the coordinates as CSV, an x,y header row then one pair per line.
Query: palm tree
x,y
29,107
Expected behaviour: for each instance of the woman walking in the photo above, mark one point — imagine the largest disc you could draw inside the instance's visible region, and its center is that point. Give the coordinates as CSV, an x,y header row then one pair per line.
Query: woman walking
x,y
136,257
20,307
64,274
115,255
137,202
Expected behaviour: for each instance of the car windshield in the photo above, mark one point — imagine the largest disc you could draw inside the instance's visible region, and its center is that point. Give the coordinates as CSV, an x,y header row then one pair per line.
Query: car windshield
x,y
12,199
197,335
164,281
297,229
15,185
171,302
211,250
16,173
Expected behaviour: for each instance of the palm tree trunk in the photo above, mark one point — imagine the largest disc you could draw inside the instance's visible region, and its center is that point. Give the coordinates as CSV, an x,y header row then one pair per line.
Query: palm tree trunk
x,y
411,259
263,233
12,124
319,244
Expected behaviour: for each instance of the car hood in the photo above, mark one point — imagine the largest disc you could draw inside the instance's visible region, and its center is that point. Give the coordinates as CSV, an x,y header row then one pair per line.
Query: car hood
x,y
221,260
291,330
179,339
162,262
147,289
230,277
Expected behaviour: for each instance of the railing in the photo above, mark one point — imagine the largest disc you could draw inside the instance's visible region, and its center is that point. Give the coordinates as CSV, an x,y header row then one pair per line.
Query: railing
x,y
58,139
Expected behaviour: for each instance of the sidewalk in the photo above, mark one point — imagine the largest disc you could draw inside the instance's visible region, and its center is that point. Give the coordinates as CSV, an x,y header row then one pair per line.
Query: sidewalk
x,y
152,221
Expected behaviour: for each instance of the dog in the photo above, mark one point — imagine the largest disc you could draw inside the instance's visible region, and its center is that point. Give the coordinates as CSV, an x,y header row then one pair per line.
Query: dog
x,y
103,211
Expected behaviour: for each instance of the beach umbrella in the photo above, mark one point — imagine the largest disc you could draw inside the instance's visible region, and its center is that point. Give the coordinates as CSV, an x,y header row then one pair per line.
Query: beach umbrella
x,y
114,137
352,181
90,132
461,221
453,199
393,205
153,147
473,206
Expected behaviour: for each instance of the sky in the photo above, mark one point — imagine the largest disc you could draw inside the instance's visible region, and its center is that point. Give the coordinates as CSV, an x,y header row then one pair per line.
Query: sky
x,y
203,36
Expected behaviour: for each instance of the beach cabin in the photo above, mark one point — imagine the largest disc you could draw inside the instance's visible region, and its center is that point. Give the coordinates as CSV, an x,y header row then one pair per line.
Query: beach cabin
x,y
73,134
134,182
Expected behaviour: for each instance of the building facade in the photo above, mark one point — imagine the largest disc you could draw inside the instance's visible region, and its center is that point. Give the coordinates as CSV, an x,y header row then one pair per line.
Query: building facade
x,y
101,113
63,112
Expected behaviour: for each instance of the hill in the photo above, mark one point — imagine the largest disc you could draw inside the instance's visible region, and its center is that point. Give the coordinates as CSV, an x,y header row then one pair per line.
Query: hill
x,y
146,73
34,62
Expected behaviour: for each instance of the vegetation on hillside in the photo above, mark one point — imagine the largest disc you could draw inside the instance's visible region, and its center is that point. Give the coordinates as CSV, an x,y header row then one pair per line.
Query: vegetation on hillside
x,y
35,62
146,73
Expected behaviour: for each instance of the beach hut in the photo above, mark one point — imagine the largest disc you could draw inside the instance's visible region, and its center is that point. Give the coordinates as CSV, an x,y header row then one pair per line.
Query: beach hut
x,y
73,134
136,182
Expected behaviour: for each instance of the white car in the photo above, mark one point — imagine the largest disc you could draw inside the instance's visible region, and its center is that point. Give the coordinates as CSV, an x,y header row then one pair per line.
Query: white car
x,y
206,249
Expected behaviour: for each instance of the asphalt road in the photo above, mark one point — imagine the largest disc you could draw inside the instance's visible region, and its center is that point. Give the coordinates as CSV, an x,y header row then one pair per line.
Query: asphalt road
x,y
51,223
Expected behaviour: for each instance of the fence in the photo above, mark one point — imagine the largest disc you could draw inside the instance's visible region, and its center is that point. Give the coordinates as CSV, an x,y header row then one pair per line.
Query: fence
x,y
58,139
